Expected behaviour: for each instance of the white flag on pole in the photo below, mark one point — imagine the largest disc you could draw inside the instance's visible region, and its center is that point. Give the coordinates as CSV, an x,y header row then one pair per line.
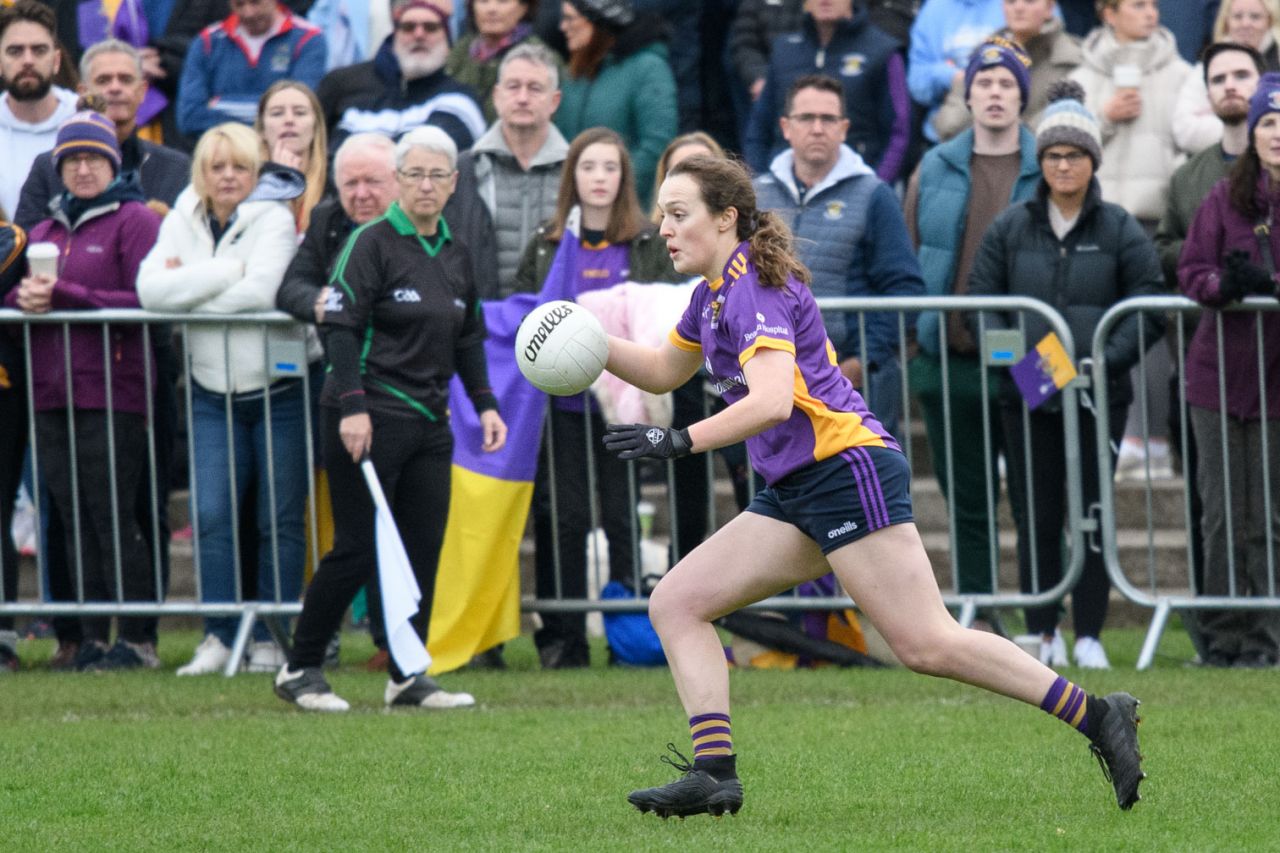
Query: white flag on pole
x,y
400,593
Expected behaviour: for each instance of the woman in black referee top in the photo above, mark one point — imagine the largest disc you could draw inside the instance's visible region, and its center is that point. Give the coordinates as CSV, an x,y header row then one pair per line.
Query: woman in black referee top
x,y
402,318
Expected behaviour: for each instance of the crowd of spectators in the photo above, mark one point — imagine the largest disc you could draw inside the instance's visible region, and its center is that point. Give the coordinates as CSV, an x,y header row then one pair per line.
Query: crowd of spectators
x,y
1068,151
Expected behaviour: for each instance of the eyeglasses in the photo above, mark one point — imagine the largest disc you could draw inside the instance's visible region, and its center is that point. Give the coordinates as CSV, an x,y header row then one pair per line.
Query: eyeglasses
x,y
1071,158
417,176
514,87
408,28
810,119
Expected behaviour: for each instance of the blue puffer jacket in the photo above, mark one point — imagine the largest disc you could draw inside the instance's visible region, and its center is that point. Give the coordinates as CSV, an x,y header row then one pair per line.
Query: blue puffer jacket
x,y
940,221
845,256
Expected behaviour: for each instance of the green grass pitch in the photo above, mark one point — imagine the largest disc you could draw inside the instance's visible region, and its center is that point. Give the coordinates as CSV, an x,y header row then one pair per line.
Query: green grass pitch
x,y
830,760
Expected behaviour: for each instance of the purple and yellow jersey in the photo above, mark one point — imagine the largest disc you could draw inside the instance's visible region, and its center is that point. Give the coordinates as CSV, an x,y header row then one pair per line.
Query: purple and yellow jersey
x,y
733,317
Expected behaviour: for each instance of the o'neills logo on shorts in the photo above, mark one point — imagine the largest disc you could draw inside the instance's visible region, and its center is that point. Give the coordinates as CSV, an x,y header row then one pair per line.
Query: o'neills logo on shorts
x,y
550,320
847,527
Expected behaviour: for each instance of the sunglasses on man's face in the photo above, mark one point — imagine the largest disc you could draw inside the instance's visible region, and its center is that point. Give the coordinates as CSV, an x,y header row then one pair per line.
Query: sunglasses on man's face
x,y
408,28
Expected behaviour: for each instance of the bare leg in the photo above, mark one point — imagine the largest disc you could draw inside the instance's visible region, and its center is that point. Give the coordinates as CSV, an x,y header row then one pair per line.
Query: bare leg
x,y
750,558
887,574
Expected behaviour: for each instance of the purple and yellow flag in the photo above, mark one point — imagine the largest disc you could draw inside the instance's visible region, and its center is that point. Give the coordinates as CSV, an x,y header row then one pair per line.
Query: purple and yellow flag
x,y
1043,372
477,601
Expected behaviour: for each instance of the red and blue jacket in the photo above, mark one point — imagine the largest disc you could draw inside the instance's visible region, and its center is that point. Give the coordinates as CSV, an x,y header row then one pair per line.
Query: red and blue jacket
x,y
222,81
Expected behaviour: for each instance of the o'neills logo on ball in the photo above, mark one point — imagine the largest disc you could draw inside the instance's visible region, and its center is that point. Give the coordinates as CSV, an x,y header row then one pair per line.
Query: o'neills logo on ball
x,y
550,320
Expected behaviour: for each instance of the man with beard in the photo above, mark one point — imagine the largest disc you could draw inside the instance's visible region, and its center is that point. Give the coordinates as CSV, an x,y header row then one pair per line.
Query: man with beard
x,y
404,85
231,63
31,108
1231,73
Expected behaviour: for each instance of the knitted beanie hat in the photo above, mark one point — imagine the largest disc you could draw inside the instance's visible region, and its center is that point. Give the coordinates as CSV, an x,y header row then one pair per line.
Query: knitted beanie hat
x,y
1266,99
90,132
1066,121
997,51
614,14
399,7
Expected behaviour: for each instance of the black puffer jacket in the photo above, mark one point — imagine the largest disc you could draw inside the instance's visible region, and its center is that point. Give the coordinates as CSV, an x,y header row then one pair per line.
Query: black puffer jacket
x,y
1105,258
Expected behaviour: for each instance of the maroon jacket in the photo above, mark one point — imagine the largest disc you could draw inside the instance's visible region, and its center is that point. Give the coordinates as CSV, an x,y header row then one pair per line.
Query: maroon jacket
x,y
1218,228
98,268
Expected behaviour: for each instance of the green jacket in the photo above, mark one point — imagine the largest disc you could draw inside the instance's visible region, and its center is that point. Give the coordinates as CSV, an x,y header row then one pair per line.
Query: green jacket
x,y
633,95
483,76
1190,184
649,260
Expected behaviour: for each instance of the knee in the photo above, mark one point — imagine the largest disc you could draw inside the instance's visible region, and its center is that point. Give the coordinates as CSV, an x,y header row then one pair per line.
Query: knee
x,y
669,608
928,653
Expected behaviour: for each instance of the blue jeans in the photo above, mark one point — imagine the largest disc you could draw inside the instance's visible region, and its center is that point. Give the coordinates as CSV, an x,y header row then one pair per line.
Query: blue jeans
x,y
221,446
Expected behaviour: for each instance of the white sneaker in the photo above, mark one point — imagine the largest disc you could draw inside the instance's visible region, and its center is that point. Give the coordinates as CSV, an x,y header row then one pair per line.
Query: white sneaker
x,y
308,689
1053,653
211,656
265,657
1090,654
421,691
23,529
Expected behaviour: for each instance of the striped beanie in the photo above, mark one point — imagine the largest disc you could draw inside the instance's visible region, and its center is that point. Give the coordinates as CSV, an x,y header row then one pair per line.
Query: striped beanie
x,y
87,132
1066,121
1000,52
1266,99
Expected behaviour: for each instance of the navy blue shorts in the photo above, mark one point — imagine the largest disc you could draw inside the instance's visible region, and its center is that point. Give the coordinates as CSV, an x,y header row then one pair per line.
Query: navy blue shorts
x,y
841,499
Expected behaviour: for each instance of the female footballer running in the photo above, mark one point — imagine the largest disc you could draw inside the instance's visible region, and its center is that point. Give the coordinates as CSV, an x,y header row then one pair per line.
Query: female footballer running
x,y
837,493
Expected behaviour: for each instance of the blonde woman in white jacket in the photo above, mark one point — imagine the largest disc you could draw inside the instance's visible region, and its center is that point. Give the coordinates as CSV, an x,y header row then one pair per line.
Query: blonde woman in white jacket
x,y
1131,75
220,252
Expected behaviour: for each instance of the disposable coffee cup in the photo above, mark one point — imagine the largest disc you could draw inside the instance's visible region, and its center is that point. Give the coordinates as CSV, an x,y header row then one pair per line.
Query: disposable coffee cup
x,y
1127,76
43,259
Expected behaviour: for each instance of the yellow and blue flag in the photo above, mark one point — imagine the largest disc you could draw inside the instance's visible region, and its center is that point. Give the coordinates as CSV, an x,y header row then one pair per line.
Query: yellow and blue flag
x,y
477,600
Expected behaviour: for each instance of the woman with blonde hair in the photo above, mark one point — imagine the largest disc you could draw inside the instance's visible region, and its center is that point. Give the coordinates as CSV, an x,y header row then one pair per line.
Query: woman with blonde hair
x,y
1253,23
684,145
221,250
291,123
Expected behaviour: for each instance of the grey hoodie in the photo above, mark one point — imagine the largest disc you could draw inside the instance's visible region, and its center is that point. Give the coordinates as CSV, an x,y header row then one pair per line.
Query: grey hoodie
x,y
21,143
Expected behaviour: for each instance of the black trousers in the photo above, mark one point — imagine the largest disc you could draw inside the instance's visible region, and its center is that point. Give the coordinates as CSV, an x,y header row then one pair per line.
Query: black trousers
x,y
566,442
413,458
13,444
1090,596
152,506
99,528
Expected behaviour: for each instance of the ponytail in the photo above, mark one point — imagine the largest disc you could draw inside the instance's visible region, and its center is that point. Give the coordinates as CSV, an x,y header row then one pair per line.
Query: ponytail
x,y
773,251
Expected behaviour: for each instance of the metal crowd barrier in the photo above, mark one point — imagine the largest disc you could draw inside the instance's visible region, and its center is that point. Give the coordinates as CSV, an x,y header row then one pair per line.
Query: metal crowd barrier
x,y
282,361
999,354
1144,575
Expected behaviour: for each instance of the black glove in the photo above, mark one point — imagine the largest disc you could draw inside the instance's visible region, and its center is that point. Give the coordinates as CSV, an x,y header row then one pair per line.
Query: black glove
x,y
1242,278
633,441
